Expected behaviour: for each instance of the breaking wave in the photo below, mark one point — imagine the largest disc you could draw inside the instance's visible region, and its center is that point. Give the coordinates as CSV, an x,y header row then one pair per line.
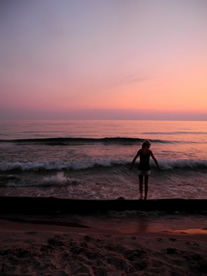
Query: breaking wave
x,y
93,164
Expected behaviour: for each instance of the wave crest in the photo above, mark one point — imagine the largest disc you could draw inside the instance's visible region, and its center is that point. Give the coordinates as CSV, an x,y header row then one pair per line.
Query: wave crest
x,y
82,141
92,164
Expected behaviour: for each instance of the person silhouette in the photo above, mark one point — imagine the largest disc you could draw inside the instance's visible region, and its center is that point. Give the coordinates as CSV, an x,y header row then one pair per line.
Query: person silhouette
x,y
144,166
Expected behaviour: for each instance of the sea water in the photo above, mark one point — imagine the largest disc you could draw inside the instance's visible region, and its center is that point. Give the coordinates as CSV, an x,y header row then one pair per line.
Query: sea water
x,y
91,159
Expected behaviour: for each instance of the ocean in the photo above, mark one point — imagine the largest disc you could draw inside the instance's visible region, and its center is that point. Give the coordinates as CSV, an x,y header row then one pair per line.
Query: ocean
x,y
91,159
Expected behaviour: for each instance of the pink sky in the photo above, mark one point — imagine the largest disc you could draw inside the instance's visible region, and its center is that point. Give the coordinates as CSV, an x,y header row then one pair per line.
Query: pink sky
x,y
109,59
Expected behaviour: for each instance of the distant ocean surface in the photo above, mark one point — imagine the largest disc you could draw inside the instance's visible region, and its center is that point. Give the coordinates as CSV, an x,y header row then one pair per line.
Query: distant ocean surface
x,y
91,159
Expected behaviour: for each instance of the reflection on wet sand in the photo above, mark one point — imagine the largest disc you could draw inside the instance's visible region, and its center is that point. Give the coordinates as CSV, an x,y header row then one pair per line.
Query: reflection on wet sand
x,y
189,231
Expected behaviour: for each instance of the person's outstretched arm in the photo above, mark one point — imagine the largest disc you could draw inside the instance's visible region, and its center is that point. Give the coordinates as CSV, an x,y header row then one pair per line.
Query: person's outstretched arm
x,y
133,161
155,160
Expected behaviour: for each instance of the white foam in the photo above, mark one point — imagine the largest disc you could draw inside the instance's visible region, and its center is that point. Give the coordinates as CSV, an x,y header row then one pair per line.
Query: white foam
x,y
56,165
91,163
182,164
58,179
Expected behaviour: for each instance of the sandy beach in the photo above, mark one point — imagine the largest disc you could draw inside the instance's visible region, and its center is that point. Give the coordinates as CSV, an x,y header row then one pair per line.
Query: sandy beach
x,y
41,246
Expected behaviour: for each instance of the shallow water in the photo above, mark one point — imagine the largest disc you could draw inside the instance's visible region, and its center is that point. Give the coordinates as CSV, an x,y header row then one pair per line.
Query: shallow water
x,y
90,159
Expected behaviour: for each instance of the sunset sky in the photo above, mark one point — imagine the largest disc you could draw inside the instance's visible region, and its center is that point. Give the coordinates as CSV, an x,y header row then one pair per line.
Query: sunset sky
x,y
111,59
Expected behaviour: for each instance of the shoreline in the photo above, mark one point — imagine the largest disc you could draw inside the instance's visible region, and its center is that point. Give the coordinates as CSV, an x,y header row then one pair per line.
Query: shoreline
x,y
52,236
34,248
23,225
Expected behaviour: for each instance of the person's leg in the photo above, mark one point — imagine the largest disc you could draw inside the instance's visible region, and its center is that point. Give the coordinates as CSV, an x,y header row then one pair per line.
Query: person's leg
x,y
146,186
141,186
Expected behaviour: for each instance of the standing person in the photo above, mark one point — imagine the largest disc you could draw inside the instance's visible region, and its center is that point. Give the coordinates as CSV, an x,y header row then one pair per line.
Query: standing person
x,y
144,167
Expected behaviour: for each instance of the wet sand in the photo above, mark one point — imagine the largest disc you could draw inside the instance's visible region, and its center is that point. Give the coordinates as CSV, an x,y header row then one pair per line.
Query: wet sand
x,y
58,245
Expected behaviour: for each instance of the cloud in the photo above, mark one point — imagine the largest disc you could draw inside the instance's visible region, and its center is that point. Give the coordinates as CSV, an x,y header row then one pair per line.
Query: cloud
x,y
125,80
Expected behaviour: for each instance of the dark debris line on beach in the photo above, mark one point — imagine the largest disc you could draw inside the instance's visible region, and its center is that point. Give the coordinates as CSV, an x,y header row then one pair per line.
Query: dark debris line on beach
x,y
51,204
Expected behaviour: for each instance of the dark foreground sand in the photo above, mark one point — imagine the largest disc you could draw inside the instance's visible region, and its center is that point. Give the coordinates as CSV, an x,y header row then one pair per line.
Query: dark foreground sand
x,y
72,249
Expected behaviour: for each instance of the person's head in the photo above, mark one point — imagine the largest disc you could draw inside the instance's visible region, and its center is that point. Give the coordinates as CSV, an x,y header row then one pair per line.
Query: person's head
x,y
146,144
